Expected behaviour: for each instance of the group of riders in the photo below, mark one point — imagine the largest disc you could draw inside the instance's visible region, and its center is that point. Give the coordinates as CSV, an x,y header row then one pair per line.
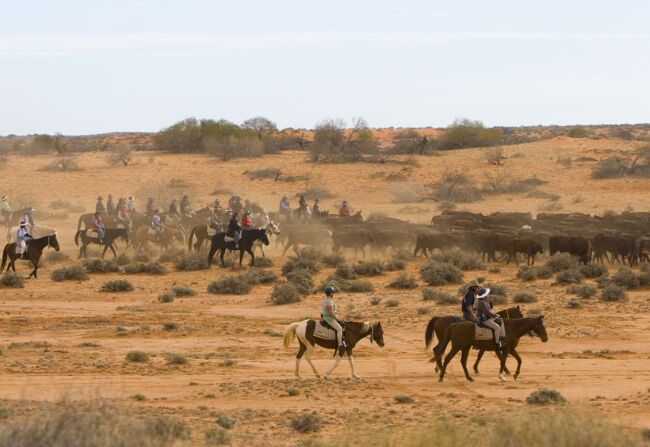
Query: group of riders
x,y
305,212
476,307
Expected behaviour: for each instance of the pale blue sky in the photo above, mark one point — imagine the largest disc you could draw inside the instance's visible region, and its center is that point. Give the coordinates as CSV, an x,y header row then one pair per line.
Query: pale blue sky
x,y
88,66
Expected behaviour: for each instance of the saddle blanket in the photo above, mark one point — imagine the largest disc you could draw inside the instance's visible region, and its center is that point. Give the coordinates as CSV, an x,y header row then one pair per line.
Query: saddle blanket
x,y
324,332
482,333
92,234
227,238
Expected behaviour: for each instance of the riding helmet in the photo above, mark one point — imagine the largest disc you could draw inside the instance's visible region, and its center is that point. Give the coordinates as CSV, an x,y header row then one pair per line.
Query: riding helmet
x,y
330,289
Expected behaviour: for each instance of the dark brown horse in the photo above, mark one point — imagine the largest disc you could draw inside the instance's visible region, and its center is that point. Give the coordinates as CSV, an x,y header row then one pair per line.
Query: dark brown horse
x,y
110,235
248,238
355,331
34,252
201,234
438,325
461,336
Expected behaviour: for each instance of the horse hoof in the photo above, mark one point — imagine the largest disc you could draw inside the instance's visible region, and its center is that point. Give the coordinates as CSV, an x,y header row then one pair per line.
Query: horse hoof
x,y
476,372
501,378
440,379
470,379
515,376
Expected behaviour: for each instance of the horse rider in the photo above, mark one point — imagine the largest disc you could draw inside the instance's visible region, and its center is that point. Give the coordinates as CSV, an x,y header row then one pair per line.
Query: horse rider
x,y
98,227
22,237
99,207
315,210
237,207
217,205
5,209
248,205
285,208
329,313
214,221
486,317
186,208
110,206
469,300
123,219
28,218
156,223
130,205
173,209
234,229
344,211
151,205
247,221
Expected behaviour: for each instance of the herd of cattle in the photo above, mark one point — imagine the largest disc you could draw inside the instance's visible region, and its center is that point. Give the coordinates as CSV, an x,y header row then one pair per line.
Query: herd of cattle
x,y
613,237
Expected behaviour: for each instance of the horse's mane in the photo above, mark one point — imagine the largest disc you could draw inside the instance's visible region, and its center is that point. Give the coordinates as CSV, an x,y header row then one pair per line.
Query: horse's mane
x,y
362,326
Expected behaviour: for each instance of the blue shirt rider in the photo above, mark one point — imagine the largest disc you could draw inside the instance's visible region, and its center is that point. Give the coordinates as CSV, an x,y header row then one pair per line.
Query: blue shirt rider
x,y
469,300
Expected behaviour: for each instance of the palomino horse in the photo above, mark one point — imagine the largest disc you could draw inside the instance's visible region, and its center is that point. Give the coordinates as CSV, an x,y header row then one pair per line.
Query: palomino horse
x,y
248,238
34,252
355,331
438,325
110,235
461,336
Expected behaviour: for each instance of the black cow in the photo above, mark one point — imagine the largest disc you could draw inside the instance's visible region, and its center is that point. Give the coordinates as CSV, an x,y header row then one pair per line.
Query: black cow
x,y
427,242
575,246
527,246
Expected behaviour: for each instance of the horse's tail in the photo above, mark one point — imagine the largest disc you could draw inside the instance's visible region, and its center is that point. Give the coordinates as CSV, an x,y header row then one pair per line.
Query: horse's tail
x,y
289,334
189,243
429,333
4,258
81,219
76,237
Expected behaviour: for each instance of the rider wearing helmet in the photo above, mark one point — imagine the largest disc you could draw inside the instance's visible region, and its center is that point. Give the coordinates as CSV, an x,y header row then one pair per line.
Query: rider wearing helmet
x,y
486,317
329,314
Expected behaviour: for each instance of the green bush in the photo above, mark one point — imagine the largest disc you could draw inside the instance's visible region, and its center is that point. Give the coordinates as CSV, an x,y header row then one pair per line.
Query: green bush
x,y
368,268
439,297
593,270
97,265
439,273
391,303
183,291
285,292
578,132
524,298
260,276
175,359
117,285
467,133
230,285
191,262
303,281
404,281
73,272
569,277
12,279
137,356
458,258
612,292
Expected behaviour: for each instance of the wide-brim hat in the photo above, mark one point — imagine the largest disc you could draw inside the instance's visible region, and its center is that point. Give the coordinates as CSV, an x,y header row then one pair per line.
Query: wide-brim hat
x,y
472,283
483,293
3,198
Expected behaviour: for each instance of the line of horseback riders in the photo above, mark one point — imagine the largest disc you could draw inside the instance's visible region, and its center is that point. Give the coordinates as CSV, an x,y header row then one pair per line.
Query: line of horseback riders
x,y
305,213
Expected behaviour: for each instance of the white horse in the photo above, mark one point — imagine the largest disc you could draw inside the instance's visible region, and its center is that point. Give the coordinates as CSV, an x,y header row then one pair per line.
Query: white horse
x,y
354,332
271,229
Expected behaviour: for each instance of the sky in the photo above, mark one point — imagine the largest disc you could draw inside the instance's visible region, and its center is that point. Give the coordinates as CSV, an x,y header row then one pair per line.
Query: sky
x,y
95,66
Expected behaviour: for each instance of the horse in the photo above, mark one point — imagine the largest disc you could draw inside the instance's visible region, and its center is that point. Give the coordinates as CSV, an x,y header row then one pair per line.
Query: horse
x,y
438,325
462,339
34,251
38,231
201,233
248,238
354,332
271,228
110,235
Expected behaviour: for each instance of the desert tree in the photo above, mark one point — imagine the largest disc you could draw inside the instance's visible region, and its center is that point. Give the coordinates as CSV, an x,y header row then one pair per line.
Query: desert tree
x,y
118,157
495,156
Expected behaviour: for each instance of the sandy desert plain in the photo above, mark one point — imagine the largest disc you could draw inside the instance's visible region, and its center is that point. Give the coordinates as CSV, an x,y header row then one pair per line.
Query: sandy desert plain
x,y
67,341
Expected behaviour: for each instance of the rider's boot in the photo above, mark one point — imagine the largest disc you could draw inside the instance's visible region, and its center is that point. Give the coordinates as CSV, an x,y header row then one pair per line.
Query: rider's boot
x,y
342,348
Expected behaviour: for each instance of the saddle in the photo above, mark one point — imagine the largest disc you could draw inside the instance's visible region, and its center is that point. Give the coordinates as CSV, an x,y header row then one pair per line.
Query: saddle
x,y
227,238
92,234
483,333
324,331
212,232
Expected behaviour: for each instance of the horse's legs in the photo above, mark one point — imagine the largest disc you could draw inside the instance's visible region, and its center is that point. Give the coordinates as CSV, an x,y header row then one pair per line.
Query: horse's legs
x,y
351,361
301,351
222,252
463,361
503,357
250,252
308,358
478,359
113,250
517,357
104,252
452,353
337,360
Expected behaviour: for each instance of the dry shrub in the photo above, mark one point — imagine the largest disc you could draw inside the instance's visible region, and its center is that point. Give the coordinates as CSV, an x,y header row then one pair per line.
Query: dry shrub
x,y
440,273
369,268
166,297
73,272
626,278
348,285
259,276
612,292
346,272
302,280
191,262
117,285
532,273
306,422
119,157
217,436
137,356
62,164
593,270
94,424
122,260
333,260
96,265
230,285
152,268
183,291
284,293
404,281
582,290
305,260
612,167
266,173
408,192
263,262
458,258
12,279
524,298
56,256
499,293
455,186
569,277
438,296
561,261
